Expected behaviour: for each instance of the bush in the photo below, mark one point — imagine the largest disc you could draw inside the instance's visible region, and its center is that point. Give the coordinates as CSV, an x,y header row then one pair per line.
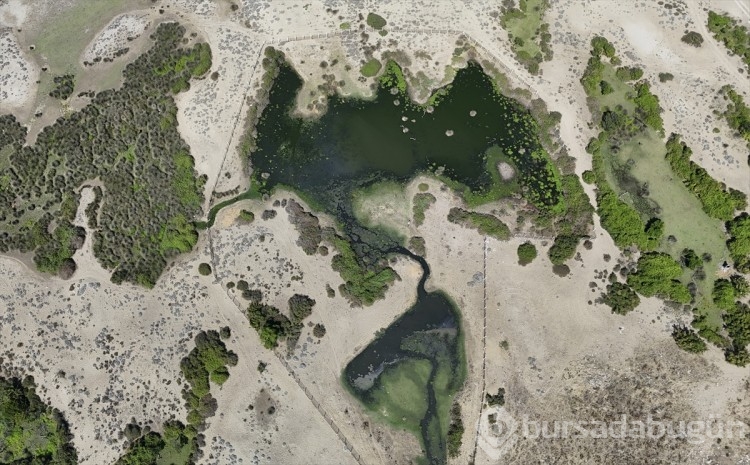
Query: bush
x,y
319,330
693,38
621,298
664,77
526,253
657,275
363,285
482,222
247,216
739,242
731,33
629,73
688,340
605,88
204,269
737,323
740,285
588,177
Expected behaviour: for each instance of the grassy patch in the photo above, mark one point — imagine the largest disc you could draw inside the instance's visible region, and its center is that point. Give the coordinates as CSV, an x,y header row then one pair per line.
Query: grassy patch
x,y
420,203
400,398
371,68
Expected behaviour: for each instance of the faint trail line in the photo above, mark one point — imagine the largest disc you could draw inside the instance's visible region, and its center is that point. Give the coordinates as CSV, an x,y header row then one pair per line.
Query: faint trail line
x,y
348,445
484,347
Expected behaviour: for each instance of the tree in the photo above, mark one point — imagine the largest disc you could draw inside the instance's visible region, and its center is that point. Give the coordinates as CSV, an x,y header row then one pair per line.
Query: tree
x,y
723,294
204,269
621,298
690,259
526,253
563,249
740,285
657,275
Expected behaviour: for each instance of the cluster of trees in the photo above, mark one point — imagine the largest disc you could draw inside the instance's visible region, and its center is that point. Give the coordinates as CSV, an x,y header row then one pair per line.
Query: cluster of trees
x,y
31,432
64,86
273,326
737,114
363,284
129,140
732,33
739,242
688,340
717,201
647,107
563,249
486,224
658,274
179,444
621,220
496,399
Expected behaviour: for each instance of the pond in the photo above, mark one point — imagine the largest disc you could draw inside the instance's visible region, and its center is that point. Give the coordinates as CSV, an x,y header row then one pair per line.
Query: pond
x,y
408,375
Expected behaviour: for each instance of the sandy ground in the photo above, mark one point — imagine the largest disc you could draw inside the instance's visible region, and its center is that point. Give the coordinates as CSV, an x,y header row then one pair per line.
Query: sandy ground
x,y
104,353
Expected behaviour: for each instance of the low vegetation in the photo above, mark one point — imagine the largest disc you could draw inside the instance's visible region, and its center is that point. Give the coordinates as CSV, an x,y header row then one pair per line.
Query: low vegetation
x,y
371,68
486,224
737,114
732,33
496,399
421,202
31,432
455,431
529,34
739,242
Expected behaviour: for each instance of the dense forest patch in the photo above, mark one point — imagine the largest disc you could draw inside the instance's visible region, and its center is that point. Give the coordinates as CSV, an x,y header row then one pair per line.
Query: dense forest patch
x,y
128,139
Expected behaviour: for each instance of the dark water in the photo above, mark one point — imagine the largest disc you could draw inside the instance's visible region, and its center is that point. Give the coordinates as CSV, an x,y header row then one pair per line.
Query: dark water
x,y
357,142
431,311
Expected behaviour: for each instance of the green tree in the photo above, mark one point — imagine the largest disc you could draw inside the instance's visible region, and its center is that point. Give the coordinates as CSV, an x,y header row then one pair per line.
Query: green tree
x,y
526,253
688,340
621,298
563,249
657,275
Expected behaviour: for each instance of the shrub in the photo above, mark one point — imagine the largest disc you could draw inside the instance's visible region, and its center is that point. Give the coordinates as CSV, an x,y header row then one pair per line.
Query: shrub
x,y
482,222
247,216
737,323
319,330
605,88
204,269
588,177
731,33
740,285
526,253
621,298
688,340
664,77
693,38
376,21
739,242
